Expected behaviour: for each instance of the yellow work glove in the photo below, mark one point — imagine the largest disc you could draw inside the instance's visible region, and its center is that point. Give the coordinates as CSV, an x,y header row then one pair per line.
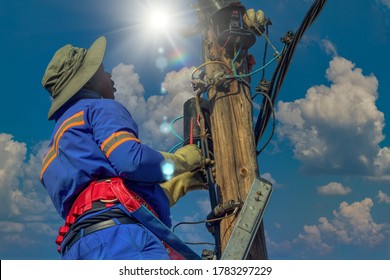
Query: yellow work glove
x,y
184,159
178,186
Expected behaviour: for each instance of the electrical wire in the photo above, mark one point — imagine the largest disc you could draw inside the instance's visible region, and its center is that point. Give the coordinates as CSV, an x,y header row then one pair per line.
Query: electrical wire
x,y
173,129
187,223
228,227
282,68
273,122
260,32
269,97
258,70
204,146
175,147
176,135
234,60
224,45
207,63
267,42
267,38
207,221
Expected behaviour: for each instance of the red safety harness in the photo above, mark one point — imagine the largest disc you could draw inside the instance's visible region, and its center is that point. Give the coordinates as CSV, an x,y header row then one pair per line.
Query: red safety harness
x,y
110,192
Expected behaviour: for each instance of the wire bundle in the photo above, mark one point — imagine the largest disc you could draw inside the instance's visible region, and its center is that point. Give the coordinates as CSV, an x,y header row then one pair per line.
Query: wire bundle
x,y
267,108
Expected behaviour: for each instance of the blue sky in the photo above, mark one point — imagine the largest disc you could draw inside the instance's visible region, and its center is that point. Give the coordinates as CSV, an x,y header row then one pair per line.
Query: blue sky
x,y
329,160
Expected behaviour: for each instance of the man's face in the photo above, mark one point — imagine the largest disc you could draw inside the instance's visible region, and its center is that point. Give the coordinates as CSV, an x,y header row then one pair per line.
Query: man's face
x,y
103,83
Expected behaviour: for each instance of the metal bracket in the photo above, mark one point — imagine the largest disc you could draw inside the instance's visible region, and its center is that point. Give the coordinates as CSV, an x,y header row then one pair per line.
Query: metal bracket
x,y
248,221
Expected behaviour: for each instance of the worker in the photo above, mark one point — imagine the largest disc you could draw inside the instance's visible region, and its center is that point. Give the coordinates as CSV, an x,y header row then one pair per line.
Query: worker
x,y
106,184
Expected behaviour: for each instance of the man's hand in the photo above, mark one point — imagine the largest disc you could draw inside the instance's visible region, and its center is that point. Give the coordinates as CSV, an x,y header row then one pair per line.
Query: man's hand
x,y
178,186
185,159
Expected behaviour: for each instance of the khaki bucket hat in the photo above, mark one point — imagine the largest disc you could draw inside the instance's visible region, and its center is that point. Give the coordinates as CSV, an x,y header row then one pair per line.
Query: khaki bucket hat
x,y
69,70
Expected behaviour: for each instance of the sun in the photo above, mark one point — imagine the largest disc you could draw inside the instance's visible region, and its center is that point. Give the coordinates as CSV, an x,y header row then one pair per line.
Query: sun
x,y
155,24
159,20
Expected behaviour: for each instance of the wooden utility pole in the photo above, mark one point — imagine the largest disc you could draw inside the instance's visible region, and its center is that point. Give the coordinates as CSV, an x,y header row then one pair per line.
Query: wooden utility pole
x,y
232,132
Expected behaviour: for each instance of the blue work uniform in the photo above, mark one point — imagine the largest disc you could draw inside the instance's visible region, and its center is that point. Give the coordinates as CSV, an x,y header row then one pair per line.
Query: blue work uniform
x,y
94,139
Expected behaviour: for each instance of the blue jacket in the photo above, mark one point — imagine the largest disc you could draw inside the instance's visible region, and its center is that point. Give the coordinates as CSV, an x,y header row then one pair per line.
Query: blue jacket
x,y
97,138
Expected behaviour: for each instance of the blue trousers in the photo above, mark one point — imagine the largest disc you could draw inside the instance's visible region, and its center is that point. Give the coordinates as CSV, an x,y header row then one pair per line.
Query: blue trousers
x,y
120,242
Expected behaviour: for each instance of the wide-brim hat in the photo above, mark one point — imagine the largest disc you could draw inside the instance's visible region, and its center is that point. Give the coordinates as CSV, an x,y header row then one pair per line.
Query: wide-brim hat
x,y
70,69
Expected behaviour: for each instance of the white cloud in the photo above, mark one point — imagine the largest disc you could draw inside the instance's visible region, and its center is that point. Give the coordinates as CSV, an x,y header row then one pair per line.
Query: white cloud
x,y
385,2
277,225
356,220
352,225
42,229
267,176
382,161
12,155
329,47
337,129
334,188
204,205
130,92
18,240
155,111
383,197
11,227
280,249
312,237
24,200
30,200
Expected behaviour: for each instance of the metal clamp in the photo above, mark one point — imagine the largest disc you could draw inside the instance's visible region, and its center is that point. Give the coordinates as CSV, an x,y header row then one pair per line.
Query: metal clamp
x,y
248,221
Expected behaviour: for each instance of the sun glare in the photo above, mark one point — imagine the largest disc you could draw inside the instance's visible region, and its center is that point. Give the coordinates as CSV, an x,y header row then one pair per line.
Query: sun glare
x,y
155,26
159,20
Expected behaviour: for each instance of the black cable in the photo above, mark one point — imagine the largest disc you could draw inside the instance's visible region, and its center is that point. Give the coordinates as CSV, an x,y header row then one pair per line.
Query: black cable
x,y
266,97
265,51
282,68
187,223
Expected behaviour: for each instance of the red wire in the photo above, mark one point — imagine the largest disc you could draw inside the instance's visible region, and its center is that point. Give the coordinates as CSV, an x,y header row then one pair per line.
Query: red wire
x,y
192,131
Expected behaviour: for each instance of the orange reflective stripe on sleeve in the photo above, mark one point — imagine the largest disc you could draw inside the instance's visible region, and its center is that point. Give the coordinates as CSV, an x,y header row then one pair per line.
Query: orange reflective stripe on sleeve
x,y
75,120
117,138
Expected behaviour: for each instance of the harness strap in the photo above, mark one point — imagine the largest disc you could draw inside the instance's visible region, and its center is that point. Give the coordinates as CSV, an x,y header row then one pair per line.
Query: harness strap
x,y
84,202
73,236
114,190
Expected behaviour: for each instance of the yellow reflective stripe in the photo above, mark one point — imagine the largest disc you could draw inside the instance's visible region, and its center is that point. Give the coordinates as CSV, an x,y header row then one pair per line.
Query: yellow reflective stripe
x,y
117,138
47,160
75,120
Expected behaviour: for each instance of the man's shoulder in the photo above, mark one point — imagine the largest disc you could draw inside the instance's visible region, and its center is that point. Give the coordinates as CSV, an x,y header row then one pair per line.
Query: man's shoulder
x,y
104,104
103,109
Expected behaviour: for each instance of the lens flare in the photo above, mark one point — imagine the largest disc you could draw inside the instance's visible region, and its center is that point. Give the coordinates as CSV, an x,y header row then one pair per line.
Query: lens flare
x,y
178,58
163,89
167,168
161,63
165,127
